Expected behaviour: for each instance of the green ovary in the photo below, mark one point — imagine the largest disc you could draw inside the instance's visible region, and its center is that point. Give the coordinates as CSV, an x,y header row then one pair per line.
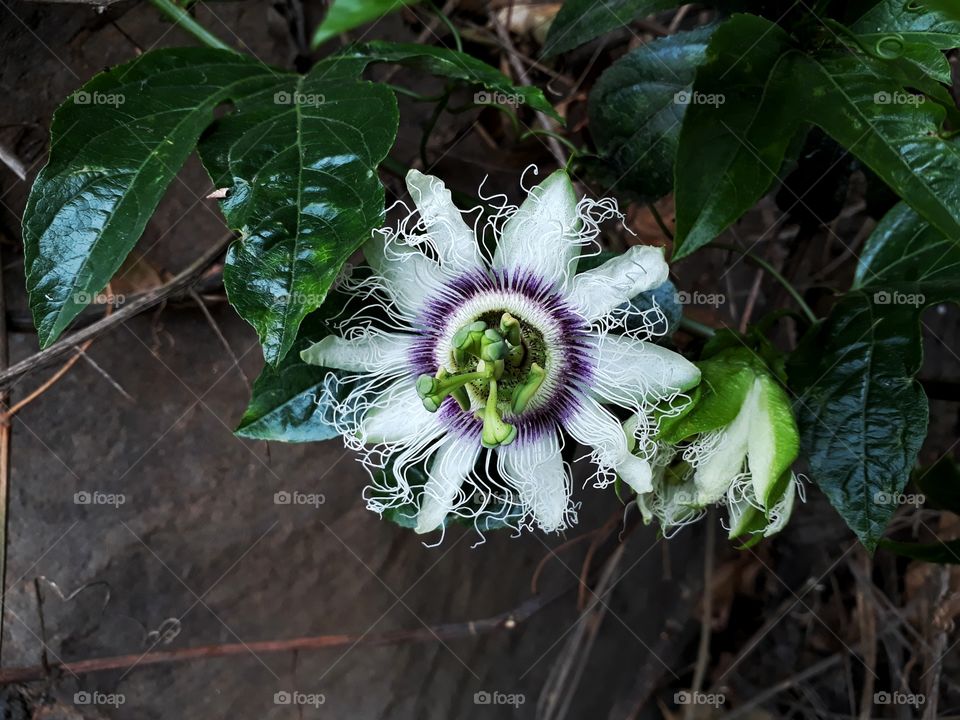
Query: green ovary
x,y
497,363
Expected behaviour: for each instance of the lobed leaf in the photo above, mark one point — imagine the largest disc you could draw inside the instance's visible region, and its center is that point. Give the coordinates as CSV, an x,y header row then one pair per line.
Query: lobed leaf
x,y
300,161
452,64
116,144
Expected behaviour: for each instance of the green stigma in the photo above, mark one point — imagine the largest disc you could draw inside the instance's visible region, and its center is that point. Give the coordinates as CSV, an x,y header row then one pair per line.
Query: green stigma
x,y
497,360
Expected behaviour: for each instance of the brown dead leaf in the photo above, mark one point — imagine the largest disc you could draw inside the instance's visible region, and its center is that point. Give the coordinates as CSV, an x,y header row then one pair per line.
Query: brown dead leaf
x,y
641,221
135,276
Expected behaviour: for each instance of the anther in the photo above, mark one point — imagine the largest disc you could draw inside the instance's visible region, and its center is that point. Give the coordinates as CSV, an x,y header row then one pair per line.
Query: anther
x,y
524,392
495,430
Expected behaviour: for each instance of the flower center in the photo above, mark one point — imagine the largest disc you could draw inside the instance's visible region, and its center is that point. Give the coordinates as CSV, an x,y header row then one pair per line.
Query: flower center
x,y
497,361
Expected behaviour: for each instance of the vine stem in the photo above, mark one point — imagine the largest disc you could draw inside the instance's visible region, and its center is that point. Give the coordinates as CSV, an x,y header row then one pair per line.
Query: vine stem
x,y
761,263
182,18
505,621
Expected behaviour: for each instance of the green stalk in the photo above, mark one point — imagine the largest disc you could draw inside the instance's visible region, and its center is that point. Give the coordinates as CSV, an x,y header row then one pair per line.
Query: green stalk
x,y
182,18
764,265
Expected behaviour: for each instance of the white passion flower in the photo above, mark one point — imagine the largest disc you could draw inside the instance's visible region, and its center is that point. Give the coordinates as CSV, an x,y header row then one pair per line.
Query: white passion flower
x,y
734,444
483,361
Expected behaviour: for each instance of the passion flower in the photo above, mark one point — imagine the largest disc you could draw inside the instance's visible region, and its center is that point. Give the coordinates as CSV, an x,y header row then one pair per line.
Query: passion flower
x,y
484,364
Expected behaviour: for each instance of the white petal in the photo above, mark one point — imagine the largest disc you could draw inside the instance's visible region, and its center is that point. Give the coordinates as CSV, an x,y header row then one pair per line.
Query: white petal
x,y
596,292
450,467
372,352
409,276
591,425
397,415
722,465
773,443
633,373
543,236
452,238
535,469
782,510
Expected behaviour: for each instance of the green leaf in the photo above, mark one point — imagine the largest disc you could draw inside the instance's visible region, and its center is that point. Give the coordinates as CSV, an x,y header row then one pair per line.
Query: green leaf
x,y
580,21
898,27
300,161
724,384
636,108
864,105
736,131
288,404
345,15
116,144
862,414
942,552
905,248
949,8
456,65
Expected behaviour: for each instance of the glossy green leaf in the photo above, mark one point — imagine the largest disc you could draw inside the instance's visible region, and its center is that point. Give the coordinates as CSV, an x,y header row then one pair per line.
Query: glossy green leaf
x,y
580,21
456,65
865,106
905,248
942,552
862,414
300,162
738,126
637,106
116,144
346,15
288,404
948,8
898,27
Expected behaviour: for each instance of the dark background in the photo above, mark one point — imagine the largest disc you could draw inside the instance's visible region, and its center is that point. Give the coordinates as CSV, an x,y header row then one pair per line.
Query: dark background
x,y
200,545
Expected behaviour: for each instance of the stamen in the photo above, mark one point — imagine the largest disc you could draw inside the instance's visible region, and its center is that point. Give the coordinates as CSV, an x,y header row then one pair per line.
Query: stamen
x,y
467,340
434,390
495,430
524,392
510,328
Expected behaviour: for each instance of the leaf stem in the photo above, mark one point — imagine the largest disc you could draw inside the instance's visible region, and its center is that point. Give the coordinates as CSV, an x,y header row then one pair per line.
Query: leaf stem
x,y
696,328
450,26
763,264
652,207
431,124
182,18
